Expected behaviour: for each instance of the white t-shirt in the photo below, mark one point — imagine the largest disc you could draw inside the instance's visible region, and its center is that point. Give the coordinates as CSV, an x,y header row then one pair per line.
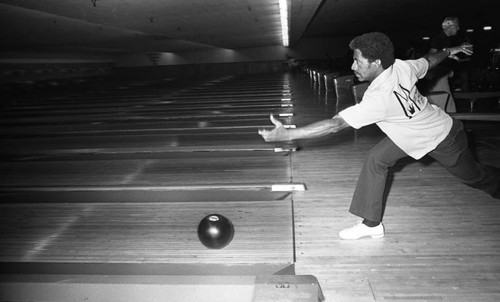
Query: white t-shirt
x,y
393,102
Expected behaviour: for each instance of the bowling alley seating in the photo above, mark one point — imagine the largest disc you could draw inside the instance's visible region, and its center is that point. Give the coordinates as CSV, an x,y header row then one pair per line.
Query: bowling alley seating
x,y
474,98
343,93
322,79
473,112
358,90
310,73
318,78
328,78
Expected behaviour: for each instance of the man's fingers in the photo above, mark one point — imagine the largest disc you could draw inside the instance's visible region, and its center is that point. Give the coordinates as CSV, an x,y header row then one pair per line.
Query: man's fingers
x,y
266,133
276,122
468,49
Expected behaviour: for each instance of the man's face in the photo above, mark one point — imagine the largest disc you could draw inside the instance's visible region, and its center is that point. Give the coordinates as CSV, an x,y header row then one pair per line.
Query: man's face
x,y
451,27
363,69
454,28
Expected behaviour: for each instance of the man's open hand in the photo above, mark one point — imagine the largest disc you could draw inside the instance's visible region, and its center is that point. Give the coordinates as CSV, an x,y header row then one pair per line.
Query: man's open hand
x,y
279,133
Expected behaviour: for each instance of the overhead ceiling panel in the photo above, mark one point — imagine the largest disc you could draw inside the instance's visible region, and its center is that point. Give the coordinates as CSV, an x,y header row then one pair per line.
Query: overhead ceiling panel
x,y
217,23
186,25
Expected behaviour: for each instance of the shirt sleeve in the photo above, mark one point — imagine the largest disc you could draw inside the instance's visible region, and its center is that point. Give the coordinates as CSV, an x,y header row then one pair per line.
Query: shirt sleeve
x,y
419,67
369,111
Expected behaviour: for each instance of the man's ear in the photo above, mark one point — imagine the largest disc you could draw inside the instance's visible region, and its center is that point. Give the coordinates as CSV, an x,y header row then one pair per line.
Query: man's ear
x,y
377,62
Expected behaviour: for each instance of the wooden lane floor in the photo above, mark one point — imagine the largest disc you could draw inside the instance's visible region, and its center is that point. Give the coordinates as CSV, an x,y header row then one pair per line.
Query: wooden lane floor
x,y
145,101
169,108
223,138
143,177
131,126
143,233
145,107
126,178
127,112
111,153
155,91
64,115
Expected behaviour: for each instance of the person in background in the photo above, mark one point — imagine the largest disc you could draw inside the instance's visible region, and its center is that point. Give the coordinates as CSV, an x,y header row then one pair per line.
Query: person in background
x,y
413,127
439,77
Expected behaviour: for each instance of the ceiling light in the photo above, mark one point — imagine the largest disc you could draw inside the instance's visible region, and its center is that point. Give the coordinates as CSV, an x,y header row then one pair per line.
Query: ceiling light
x,y
487,28
284,21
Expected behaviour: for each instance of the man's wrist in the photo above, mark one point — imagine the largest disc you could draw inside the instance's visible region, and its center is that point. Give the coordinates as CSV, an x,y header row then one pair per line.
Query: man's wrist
x,y
448,51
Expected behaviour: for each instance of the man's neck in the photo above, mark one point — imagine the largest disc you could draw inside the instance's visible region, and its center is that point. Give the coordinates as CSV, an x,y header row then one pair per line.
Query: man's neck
x,y
377,74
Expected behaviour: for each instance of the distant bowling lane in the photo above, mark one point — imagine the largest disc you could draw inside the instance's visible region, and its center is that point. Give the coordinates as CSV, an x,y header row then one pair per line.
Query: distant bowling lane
x,y
142,177
110,121
229,139
112,147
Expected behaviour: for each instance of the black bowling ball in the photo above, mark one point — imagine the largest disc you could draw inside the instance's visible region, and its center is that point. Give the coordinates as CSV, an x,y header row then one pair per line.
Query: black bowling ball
x,y
215,231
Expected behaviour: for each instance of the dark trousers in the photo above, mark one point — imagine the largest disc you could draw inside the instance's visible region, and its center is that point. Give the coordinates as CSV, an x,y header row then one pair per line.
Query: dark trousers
x,y
452,153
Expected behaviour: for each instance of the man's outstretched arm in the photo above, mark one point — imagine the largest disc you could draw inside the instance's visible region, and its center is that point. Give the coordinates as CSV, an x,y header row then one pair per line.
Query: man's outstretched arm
x,y
314,130
435,56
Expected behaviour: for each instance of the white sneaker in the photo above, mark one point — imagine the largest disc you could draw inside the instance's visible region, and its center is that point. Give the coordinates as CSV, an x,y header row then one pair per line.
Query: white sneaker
x,y
361,230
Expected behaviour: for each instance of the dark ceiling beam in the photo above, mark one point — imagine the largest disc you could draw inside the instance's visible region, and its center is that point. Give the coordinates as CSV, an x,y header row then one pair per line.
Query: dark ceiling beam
x,y
302,13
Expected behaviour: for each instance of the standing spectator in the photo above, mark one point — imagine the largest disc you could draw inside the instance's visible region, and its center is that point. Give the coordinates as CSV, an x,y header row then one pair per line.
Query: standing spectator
x,y
439,77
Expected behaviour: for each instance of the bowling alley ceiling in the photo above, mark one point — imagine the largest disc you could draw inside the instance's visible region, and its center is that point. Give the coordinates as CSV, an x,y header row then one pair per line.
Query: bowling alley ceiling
x,y
185,25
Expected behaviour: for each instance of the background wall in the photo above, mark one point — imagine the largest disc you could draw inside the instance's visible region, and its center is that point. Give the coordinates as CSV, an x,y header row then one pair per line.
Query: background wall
x,y
39,67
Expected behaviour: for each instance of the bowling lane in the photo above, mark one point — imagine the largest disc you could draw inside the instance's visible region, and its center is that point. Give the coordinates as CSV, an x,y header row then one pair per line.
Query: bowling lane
x,y
147,125
196,168
131,127
140,103
144,176
125,175
143,114
141,111
134,233
145,147
151,94
217,140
